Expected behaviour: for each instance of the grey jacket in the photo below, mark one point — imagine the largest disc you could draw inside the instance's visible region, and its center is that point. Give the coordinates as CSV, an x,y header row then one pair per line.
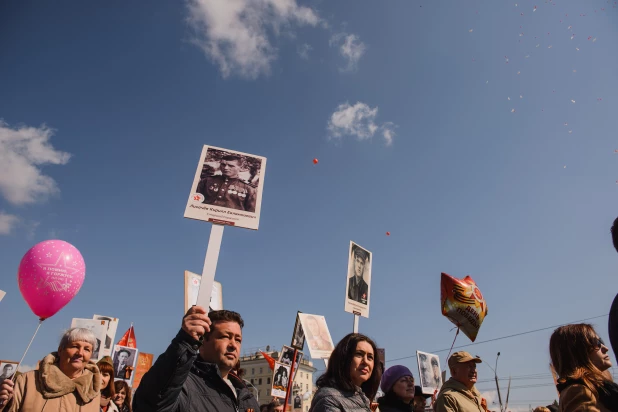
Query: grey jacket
x,y
334,400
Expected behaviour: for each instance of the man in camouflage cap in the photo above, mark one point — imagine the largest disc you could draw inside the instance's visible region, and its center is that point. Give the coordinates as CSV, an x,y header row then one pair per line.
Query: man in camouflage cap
x,y
458,394
227,190
358,289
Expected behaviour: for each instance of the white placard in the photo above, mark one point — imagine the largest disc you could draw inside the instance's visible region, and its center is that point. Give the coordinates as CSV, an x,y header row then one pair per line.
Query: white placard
x,y
317,335
124,361
281,374
227,188
112,325
429,372
192,287
358,281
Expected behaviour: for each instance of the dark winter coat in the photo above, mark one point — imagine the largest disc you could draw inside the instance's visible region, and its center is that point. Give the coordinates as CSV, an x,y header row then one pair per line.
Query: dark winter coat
x,y
180,381
392,403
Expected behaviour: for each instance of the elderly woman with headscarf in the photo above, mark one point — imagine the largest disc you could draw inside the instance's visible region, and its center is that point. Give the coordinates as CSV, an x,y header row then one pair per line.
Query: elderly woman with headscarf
x,y
65,381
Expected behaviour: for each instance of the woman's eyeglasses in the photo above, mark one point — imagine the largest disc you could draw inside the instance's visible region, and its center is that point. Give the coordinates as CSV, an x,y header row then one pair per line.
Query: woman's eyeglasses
x,y
598,343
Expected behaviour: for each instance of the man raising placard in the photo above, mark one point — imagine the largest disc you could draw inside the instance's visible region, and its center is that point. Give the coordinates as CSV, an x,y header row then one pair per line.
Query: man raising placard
x,y
194,372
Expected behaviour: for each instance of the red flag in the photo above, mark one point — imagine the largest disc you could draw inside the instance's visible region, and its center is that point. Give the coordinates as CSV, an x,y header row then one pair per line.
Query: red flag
x,y
270,360
128,339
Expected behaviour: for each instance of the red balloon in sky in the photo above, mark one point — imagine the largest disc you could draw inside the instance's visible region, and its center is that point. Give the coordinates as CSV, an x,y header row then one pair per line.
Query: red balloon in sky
x,y
388,233
315,161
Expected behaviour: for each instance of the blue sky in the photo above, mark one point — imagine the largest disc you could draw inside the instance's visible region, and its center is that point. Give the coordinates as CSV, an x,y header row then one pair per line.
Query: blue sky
x,y
431,151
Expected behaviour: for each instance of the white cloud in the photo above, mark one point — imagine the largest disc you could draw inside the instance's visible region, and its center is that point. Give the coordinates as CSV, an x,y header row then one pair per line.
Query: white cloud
x,y
350,47
303,51
236,34
22,151
7,223
358,121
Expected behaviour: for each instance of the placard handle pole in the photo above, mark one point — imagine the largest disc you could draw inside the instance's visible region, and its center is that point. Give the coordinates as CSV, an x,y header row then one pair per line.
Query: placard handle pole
x,y
287,393
210,266
355,329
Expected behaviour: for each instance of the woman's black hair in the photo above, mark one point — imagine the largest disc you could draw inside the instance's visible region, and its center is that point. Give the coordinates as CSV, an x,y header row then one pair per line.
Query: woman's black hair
x,y
337,374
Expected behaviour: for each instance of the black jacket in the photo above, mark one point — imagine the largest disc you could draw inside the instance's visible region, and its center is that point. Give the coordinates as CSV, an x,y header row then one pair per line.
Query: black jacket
x,y
180,381
392,403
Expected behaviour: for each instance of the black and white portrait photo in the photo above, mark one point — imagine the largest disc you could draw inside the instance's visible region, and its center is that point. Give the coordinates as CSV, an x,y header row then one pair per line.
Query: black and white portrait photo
x,y
429,372
287,353
318,336
7,369
99,328
281,374
124,360
110,334
358,281
298,337
227,179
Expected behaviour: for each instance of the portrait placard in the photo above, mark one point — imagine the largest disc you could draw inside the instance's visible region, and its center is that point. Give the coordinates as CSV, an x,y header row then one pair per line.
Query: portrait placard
x,y
429,372
2,293
125,360
192,288
112,325
7,369
358,281
298,337
227,188
318,337
99,328
281,374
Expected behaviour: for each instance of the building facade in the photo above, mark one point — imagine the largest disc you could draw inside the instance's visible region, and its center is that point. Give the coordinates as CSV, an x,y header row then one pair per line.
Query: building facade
x,y
259,376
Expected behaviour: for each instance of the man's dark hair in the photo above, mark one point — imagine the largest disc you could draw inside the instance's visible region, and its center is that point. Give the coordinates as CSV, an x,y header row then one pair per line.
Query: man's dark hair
x,y
224,316
125,351
270,407
337,373
614,231
434,361
231,158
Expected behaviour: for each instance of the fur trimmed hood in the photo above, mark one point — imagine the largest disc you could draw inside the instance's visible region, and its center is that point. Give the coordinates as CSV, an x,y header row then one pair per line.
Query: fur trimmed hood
x,y
54,383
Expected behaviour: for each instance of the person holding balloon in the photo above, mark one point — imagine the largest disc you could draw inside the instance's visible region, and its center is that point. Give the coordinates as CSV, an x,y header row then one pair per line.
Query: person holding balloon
x,y
67,380
459,393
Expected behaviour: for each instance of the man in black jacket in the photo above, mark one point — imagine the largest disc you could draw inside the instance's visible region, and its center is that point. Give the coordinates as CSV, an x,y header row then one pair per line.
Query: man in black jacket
x,y
194,372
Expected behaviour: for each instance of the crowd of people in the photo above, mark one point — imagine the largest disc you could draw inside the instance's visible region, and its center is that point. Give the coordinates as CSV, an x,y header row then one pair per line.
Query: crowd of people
x,y
198,372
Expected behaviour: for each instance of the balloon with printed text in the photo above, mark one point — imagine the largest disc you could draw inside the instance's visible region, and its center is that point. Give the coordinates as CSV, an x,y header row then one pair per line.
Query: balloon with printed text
x,y
49,276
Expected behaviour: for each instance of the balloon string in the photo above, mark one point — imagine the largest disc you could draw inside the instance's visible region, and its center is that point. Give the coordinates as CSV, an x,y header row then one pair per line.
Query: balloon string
x,y
31,340
451,349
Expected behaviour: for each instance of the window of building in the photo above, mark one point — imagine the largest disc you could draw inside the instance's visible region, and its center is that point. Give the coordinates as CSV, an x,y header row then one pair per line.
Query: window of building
x,y
268,381
260,381
307,385
252,371
251,381
260,370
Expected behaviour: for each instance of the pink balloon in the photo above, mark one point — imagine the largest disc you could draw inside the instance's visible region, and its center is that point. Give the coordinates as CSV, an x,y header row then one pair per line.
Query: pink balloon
x,y
50,275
